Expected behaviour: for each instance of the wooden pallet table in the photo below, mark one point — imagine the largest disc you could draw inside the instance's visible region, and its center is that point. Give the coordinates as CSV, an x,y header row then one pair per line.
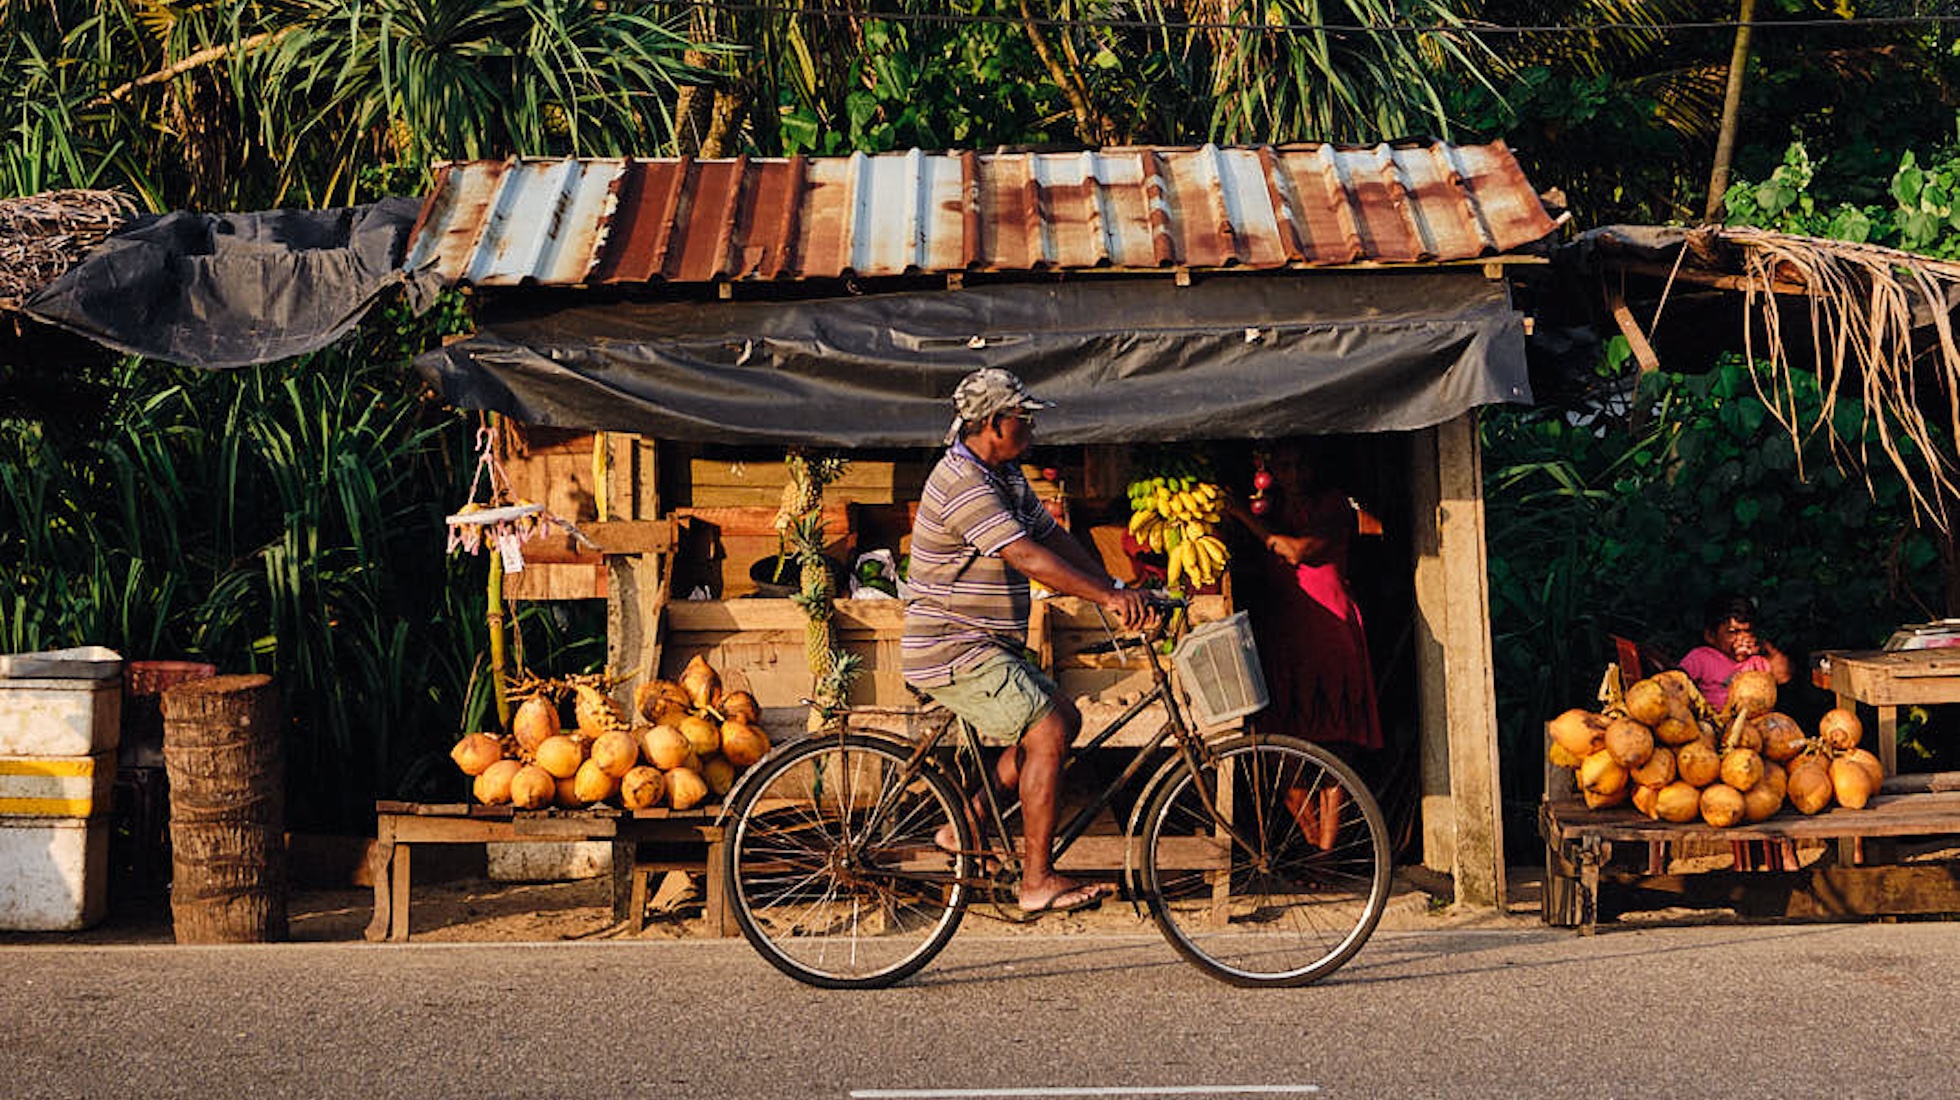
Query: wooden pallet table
x,y
1579,842
1886,681
645,842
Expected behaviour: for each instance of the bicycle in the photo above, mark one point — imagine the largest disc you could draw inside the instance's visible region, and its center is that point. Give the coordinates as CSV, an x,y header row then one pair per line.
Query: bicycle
x,y
1264,859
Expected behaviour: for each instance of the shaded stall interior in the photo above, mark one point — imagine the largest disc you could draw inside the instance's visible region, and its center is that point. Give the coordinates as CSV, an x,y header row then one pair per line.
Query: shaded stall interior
x,y
721,606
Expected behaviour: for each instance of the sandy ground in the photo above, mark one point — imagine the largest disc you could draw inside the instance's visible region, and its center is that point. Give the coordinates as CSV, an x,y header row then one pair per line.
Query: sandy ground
x,y
473,909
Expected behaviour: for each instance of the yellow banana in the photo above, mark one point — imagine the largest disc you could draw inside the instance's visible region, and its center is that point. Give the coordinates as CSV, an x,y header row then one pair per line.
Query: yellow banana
x,y
1176,565
1139,520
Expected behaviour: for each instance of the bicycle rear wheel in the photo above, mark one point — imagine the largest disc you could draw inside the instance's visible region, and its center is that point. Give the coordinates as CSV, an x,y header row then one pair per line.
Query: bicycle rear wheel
x,y
1295,885
832,866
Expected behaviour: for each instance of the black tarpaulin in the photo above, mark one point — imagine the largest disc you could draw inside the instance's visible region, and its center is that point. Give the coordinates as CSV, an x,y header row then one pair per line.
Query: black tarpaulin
x,y
230,290
1124,360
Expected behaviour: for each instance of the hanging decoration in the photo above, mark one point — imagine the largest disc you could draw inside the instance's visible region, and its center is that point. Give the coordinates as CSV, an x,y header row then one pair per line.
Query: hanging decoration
x,y
501,521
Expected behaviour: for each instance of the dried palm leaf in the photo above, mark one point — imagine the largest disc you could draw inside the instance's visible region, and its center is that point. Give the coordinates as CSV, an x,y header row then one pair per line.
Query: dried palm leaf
x,y
1870,310
42,236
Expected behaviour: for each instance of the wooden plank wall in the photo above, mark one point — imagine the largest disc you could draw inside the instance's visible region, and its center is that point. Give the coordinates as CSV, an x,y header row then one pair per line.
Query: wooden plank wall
x,y
758,645
553,467
736,503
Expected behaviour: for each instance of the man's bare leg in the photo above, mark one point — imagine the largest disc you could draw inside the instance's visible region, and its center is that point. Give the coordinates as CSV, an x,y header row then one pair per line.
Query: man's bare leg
x,y
1034,768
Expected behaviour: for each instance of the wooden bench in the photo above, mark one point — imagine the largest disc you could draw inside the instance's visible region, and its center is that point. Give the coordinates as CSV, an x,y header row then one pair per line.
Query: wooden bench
x,y
1579,843
645,843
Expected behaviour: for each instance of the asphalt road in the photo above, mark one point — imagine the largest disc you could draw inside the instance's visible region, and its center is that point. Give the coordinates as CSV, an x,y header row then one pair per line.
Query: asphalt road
x,y
1730,1011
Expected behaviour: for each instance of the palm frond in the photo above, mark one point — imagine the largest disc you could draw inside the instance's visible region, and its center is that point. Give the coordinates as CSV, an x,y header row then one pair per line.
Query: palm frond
x,y
1878,319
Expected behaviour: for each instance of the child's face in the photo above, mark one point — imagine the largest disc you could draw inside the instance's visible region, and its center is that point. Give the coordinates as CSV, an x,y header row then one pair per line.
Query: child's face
x,y
1735,638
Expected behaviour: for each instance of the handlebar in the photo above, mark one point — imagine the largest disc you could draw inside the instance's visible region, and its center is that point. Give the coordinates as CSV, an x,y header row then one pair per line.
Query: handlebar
x,y
1166,607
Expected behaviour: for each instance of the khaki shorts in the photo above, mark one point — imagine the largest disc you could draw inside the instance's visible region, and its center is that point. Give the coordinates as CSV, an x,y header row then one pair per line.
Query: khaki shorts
x,y
1000,698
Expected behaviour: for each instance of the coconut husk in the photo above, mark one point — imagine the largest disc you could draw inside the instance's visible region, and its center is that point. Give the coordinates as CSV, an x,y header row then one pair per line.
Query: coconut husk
x,y
42,236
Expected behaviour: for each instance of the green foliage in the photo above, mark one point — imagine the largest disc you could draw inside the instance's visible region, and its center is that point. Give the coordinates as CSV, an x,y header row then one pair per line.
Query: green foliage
x,y
320,102
284,519
1559,119
922,85
1920,217
406,82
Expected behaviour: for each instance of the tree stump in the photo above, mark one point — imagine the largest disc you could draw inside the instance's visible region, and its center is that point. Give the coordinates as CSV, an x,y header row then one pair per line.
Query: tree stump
x,y
225,758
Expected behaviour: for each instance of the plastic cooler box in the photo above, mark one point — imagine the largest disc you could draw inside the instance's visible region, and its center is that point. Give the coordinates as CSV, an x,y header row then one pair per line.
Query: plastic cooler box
x,y
60,716
64,702
1218,664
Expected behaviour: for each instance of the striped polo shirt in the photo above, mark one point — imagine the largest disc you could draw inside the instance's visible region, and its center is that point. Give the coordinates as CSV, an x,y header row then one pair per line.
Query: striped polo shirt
x,y
966,603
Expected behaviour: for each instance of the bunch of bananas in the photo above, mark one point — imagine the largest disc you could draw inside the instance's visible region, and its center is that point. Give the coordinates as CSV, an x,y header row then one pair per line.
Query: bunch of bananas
x,y
1174,514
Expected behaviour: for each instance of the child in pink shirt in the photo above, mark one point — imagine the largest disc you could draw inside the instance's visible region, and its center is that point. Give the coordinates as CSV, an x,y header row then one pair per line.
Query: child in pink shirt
x,y
1732,646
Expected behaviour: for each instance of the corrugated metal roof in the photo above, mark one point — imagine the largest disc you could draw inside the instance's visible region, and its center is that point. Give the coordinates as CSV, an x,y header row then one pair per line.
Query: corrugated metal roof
x,y
568,222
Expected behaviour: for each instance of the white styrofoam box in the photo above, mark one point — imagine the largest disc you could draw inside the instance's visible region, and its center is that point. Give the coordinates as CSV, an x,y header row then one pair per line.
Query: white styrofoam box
x,y
54,872
88,662
547,860
56,786
40,717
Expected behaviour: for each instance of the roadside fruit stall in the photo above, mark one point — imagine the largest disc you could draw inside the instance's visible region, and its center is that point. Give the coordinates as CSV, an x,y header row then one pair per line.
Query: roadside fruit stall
x,y
1656,769
662,331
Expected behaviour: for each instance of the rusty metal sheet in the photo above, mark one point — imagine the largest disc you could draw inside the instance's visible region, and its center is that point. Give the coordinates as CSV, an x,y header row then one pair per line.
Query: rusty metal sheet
x,y
569,222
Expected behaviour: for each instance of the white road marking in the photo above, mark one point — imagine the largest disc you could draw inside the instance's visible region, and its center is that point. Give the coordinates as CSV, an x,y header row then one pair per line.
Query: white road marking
x,y
1136,1090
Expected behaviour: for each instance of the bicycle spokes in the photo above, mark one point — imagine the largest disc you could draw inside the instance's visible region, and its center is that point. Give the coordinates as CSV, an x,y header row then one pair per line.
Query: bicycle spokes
x,y
1269,866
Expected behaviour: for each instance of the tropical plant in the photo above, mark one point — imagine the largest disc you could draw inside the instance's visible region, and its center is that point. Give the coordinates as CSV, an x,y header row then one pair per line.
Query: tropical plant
x,y
408,82
321,102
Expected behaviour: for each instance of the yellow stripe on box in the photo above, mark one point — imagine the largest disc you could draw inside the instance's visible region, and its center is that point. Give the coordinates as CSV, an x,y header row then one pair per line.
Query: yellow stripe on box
x,y
51,765
46,807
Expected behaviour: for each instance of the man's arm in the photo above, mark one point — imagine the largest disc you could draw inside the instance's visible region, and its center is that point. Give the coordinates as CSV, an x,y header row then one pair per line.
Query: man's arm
x,y
1071,550
1034,559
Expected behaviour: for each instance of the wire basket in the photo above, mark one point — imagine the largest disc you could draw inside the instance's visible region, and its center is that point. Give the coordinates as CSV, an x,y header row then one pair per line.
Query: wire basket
x,y
1218,664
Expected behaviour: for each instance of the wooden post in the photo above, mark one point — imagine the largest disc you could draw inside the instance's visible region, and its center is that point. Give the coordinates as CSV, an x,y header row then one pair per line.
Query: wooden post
x,y
226,760
1438,812
637,586
1454,659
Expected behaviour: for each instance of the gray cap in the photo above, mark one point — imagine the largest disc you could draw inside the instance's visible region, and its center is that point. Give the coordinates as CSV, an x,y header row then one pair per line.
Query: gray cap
x,y
987,392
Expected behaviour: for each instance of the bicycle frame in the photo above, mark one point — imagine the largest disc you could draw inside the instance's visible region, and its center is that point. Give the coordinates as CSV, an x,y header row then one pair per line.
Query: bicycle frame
x,y
1191,752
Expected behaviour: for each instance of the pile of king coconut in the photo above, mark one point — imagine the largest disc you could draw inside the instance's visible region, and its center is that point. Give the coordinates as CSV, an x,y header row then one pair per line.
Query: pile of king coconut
x,y
691,741
1659,745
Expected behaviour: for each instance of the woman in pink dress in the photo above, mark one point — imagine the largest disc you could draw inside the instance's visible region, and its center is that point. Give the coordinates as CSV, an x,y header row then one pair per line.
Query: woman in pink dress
x,y
1312,642
1313,647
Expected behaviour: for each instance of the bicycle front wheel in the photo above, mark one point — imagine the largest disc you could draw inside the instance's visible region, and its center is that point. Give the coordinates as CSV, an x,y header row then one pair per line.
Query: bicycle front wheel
x,y
1269,866
833,868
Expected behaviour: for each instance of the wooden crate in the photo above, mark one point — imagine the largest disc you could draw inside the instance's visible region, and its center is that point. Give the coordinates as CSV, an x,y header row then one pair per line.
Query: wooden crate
x,y
761,641
553,467
726,541
1102,684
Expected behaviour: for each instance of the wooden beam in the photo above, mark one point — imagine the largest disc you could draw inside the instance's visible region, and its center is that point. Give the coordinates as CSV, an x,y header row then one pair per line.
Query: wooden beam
x,y
1699,277
1438,812
1643,351
632,536
1470,694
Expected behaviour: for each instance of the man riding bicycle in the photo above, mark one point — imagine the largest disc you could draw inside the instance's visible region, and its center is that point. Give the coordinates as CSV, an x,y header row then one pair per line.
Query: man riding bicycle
x,y
980,534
